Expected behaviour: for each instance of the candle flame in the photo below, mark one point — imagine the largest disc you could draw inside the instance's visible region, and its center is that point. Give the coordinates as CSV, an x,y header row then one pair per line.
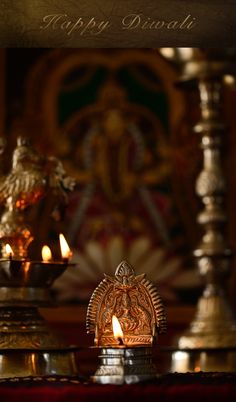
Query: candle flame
x,y
65,249
117,330
9,251
46,254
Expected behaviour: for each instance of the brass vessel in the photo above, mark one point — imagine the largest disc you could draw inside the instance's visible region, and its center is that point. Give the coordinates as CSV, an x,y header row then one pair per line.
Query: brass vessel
x,y
27,346
210,342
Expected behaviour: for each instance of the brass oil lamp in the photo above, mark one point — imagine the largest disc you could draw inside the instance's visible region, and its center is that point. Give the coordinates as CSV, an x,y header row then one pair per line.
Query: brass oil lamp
x,y
126,314
27,346
209,344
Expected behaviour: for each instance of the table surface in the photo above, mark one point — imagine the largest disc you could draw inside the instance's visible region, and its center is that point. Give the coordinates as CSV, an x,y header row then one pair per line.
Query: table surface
x,y
217,387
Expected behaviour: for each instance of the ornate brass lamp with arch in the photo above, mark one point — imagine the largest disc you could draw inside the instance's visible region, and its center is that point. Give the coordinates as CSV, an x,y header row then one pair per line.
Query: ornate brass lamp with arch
x,y
126,314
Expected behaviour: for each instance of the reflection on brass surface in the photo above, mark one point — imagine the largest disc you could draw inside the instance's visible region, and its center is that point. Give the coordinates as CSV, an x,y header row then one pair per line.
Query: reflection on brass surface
x,y
125,366
208,360
24,328
30,178
41,363
214,325
134,301
22,277
24,295
24,285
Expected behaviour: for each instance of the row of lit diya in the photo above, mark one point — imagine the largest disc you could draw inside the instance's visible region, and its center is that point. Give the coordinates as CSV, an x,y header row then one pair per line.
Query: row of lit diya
x,y
46,253
121,287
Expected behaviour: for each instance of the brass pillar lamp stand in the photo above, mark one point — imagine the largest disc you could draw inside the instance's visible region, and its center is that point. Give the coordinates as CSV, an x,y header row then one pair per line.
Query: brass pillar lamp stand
x,y
126,315
210,342
27,346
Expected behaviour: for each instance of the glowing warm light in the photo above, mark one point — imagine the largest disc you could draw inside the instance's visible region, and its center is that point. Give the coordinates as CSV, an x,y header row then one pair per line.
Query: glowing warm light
x,y
229,80
9,251
46,254
181,361
117,330
167,52
65,249
181,356
186,53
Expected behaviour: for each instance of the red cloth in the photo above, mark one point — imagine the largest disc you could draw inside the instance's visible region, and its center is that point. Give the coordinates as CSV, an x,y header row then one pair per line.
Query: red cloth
x,y
150,393
171,389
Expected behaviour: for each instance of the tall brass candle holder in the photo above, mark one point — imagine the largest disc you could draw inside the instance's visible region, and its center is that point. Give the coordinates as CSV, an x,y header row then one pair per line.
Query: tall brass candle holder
x,y
126,314
210,342
27,346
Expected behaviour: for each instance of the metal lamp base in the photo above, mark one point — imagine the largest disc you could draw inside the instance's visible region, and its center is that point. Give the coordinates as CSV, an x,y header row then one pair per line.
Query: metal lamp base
x,y
26,363
123,365
29,348
210,342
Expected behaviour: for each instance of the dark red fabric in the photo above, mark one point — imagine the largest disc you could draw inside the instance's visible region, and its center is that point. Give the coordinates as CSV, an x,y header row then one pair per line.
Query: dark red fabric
x,y
127,393
200,387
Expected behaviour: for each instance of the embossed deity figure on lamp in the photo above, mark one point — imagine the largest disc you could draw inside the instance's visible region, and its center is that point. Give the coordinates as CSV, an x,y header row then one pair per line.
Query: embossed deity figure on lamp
x,y
136,304
132,305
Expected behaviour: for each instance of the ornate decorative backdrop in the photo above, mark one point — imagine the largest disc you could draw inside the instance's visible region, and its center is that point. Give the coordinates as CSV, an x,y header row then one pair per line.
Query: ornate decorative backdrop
x,y
122,129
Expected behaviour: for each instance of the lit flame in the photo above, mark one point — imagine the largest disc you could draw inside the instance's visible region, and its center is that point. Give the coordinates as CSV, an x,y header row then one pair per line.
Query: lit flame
x,y
117,330
46,254
65,249
9,251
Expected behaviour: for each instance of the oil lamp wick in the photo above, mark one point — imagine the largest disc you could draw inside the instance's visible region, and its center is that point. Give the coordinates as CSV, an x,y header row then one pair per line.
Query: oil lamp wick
x,y
120,341
9,251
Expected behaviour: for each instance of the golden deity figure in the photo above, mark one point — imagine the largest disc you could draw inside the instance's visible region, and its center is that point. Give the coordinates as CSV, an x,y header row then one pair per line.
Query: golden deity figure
x,y
113,157
118,149
116,170
31,177
134,301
